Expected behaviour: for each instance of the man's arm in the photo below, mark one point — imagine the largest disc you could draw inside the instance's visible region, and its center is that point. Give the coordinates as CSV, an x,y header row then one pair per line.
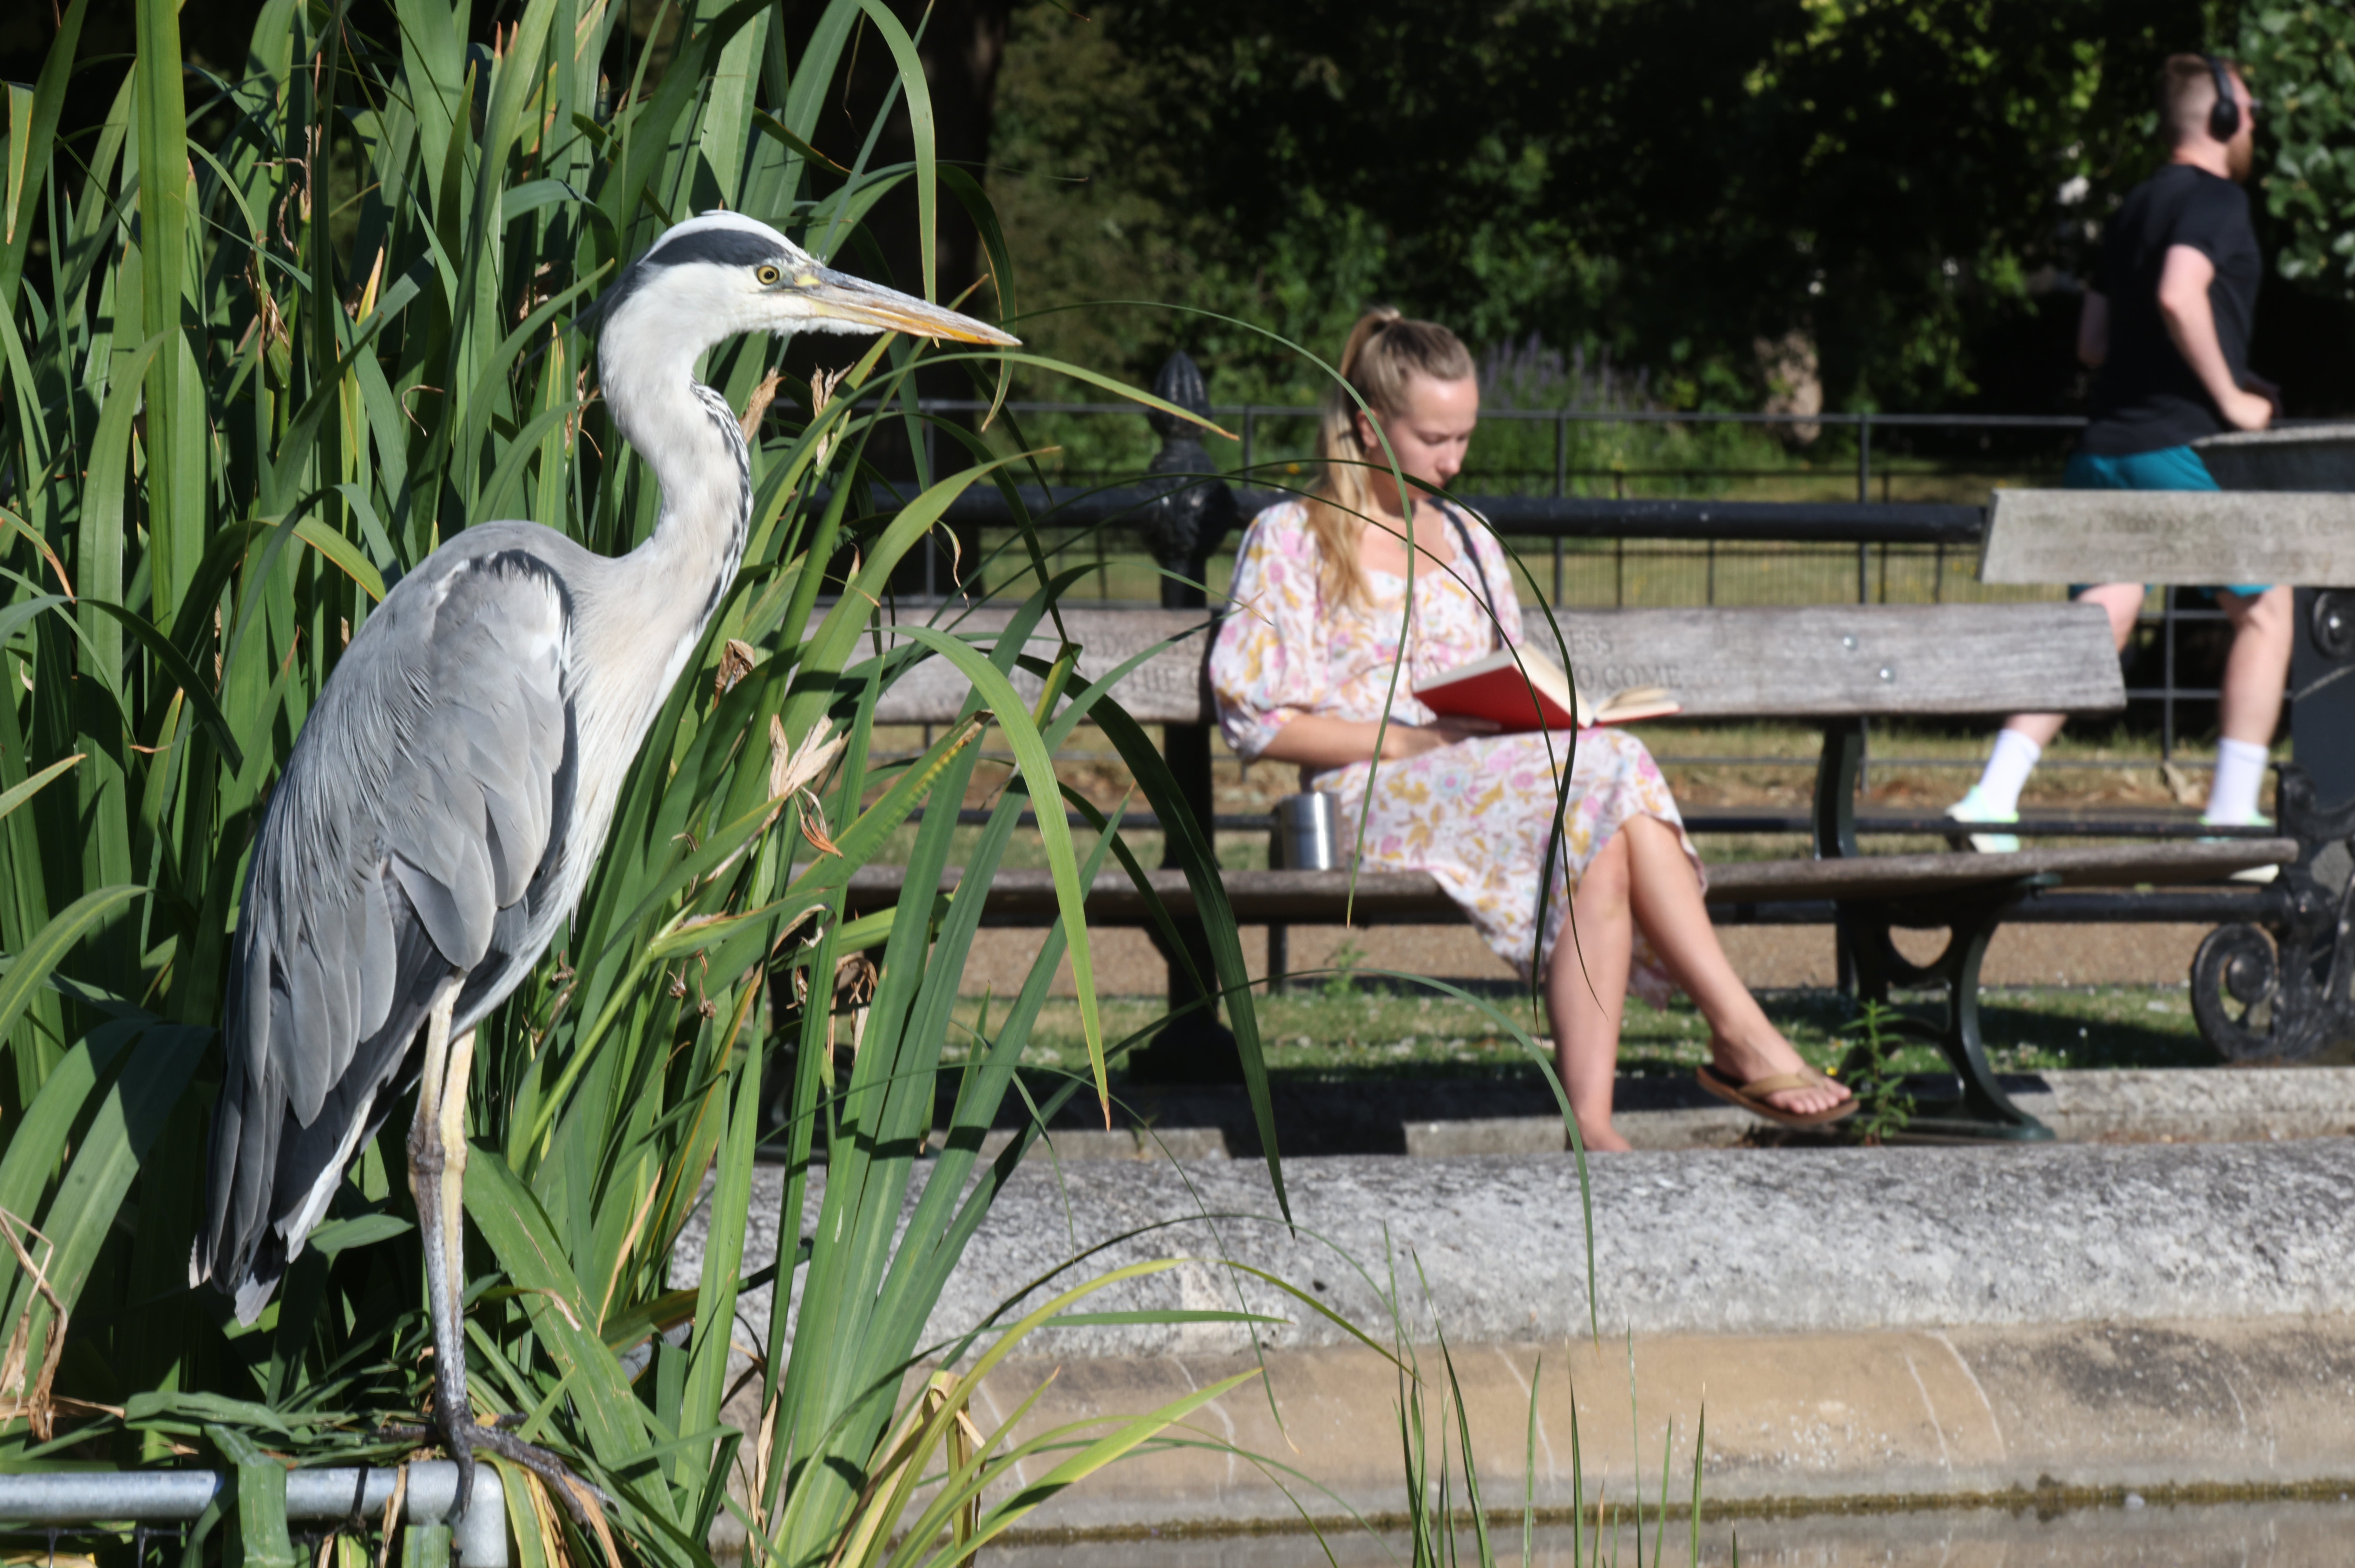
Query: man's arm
x,y
2093,330
2191,325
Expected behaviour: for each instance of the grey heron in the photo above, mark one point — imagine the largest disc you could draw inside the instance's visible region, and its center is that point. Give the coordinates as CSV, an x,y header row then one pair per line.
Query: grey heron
x,y
447,797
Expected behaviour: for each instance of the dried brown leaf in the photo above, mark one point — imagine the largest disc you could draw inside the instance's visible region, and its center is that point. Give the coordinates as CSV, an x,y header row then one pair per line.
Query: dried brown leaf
x,y
756,407
818,839
822,387
736,662
391,1515
35,1404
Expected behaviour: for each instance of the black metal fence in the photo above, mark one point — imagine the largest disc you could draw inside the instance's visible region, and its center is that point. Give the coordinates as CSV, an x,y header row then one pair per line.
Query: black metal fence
x,y
1656,534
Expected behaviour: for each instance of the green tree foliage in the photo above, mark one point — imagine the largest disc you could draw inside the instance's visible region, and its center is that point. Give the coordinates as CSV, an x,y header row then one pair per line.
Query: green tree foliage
x,y
1674,180
2302,60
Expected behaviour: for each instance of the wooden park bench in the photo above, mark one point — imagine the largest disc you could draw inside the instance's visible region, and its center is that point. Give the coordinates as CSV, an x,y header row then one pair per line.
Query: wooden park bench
x,y
2272,982
1838,665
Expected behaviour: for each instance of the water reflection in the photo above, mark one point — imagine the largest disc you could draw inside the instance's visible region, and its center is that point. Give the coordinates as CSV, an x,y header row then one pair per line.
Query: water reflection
x,y
2207,1535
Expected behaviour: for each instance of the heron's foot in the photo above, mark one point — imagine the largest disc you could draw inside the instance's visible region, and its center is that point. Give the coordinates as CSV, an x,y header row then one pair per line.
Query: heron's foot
x,y
498,1436
568,1489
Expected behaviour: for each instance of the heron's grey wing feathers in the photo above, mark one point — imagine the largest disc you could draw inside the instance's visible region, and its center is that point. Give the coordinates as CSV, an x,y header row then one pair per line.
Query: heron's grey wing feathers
x,y
414,836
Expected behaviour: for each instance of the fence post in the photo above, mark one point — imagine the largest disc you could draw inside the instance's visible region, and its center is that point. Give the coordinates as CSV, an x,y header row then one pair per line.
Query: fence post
x,y
1192,510
2167,682
1863,494
1561,487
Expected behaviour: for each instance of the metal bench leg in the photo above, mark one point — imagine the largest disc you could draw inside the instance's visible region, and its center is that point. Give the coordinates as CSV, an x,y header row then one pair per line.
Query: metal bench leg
x,y
1870,960
2286,991
1194,1048
1983,1111
1192,511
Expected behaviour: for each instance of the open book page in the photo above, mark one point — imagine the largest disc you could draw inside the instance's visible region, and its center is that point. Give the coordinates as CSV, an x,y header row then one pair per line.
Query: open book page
x,y
1521,690
1631,705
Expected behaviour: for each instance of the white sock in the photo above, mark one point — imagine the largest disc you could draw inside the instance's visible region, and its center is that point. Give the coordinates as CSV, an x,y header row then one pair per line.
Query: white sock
x,y
2240,775
2007,768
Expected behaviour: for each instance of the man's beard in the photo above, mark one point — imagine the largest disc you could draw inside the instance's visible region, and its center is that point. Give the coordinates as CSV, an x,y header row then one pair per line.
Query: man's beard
x,y
2241,157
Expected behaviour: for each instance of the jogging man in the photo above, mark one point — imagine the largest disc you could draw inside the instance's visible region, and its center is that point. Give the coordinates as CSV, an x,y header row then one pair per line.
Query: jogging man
x,y
2166,328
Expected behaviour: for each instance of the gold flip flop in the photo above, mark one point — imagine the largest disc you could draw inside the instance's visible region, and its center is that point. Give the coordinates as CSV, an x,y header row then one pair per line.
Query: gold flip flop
x,y
1752,1096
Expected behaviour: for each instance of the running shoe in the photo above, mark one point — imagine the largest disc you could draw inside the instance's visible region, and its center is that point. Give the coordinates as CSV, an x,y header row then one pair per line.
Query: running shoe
x,y
2260,875
1974,810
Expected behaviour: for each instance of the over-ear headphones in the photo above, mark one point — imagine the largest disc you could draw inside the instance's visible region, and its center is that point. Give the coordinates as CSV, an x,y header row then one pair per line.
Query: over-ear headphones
x,y
2225,114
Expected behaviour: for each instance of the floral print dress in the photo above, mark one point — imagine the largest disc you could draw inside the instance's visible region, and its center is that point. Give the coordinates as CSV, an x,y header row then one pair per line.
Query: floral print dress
x,y
1476,815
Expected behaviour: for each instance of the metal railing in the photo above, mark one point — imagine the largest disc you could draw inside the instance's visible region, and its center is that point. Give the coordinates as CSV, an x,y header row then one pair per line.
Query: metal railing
x,y
156,1507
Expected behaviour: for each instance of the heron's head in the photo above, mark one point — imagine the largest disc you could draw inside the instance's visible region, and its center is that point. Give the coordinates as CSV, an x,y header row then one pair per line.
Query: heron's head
x,y
723,273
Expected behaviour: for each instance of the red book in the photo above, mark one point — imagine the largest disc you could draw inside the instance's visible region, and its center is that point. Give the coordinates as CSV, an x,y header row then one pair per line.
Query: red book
x,y
1519,690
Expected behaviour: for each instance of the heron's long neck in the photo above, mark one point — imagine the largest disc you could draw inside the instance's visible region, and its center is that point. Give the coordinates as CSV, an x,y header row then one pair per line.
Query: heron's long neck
x,y
688,435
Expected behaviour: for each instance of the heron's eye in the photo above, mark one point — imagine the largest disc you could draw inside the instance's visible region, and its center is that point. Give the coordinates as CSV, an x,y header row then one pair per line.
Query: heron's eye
x,y
767,274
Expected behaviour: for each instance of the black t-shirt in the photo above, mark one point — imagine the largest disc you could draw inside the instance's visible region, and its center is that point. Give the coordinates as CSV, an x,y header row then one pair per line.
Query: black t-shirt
x,y
2146,396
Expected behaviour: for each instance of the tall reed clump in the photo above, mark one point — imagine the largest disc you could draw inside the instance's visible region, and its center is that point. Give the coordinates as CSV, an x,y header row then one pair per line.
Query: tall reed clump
x,y
243,390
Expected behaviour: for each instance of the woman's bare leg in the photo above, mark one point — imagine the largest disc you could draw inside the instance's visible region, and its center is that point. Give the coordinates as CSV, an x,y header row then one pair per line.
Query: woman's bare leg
x,y
1664,897
1586,993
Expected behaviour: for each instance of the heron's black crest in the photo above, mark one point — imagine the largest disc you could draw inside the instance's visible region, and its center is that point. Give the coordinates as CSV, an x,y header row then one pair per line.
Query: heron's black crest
x,y
723,247
720,247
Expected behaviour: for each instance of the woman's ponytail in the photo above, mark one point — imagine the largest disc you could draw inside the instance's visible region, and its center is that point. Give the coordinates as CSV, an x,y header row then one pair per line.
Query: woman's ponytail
x,y
1353,353
1385,351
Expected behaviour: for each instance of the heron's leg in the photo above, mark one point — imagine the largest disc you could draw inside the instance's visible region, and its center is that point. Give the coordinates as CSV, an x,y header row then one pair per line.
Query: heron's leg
x,y
437,1175
437,1179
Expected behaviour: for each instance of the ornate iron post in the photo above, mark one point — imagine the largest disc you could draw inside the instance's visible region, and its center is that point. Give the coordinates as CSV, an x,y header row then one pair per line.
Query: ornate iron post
x,y
1191,511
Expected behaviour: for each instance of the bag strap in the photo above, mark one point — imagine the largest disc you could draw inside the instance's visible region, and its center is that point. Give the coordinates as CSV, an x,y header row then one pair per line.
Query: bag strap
x,y
1480,571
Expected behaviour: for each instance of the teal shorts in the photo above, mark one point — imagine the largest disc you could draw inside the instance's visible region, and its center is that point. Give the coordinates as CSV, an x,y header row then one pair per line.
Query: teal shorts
x,y
2168,468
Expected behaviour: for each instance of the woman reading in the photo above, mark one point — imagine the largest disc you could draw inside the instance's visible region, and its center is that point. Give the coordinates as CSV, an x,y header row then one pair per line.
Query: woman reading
x,y
1302,668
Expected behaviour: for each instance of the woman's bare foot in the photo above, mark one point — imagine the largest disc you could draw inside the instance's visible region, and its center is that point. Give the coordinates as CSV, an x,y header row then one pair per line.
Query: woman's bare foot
x,y
1760,1056
1602,1138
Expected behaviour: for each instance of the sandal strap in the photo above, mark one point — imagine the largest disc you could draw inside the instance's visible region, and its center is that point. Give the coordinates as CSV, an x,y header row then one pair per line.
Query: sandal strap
x,y
1777,1082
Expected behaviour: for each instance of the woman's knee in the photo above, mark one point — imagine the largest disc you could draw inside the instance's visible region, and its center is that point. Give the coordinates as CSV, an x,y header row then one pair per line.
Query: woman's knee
x,y
1655,844
1607,878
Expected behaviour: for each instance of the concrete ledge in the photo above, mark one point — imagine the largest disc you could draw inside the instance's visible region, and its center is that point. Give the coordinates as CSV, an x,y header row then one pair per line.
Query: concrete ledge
x,y
1890,1322
1437,1117
1797,1419
1710,1242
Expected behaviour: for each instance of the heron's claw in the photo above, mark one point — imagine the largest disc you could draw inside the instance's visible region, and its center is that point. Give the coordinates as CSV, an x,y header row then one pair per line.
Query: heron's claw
x,y
496,1435
567,1488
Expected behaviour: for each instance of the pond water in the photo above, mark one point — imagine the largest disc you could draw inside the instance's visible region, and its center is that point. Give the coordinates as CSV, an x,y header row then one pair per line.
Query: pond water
x,y
2272,1534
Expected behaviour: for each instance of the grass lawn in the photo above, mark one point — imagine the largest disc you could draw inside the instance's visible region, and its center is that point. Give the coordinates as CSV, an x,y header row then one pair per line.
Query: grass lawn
x,y
1376,1029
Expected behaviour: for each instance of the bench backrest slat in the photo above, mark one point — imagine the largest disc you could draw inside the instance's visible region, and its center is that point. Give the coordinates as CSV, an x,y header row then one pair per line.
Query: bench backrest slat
x,y
1808,661
2193,537
2301,457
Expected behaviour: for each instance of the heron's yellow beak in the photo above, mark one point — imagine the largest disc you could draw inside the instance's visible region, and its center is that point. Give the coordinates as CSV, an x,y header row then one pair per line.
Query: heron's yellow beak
x,y
838,296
